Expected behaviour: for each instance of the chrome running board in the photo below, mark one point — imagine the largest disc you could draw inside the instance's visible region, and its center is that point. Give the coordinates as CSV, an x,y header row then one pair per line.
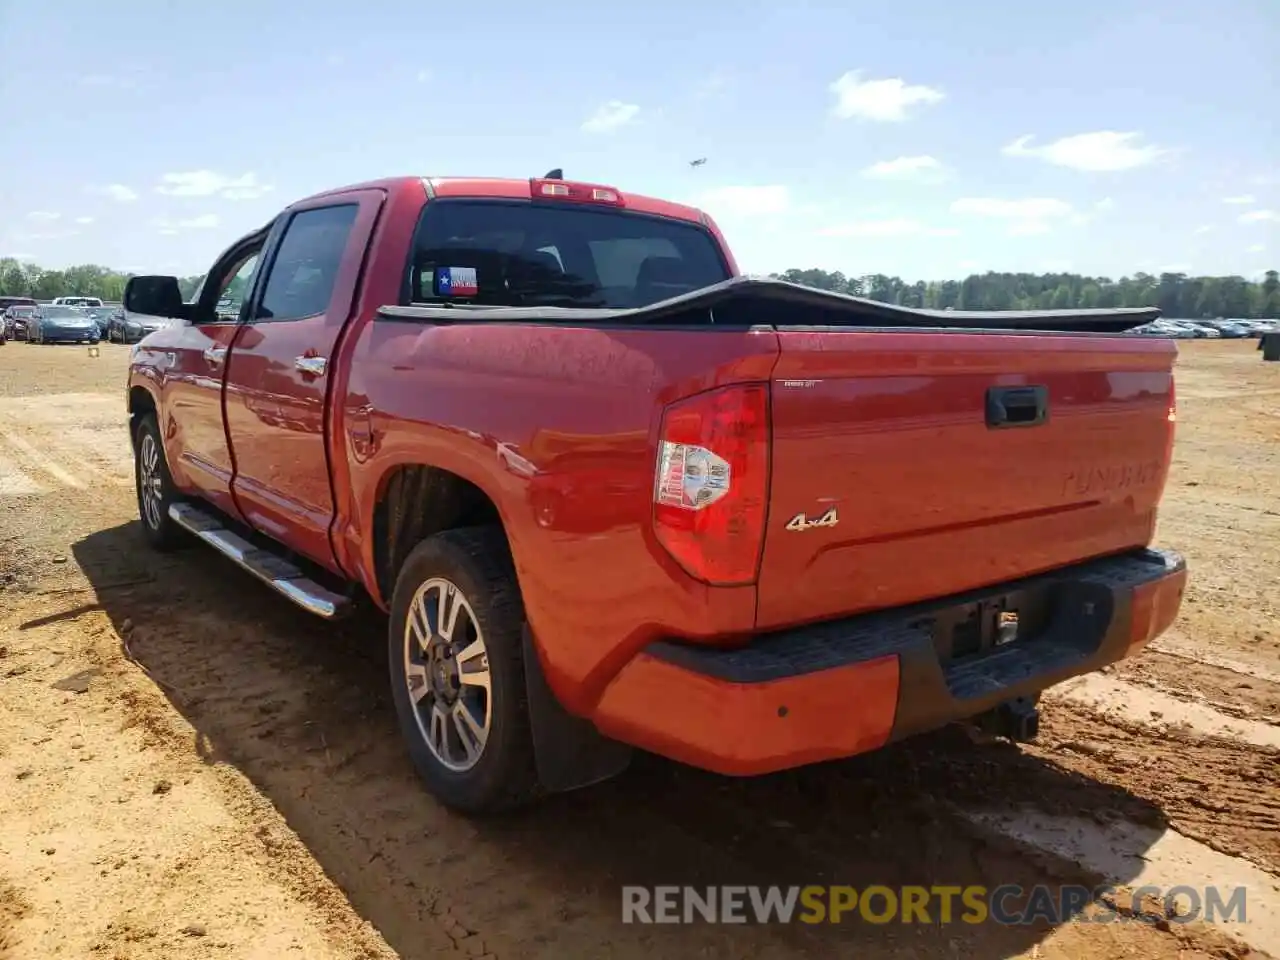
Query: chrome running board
x,y
272,569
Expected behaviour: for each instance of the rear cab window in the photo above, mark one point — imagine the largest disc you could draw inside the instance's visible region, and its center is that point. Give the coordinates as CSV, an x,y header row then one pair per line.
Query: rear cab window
x,y
504,253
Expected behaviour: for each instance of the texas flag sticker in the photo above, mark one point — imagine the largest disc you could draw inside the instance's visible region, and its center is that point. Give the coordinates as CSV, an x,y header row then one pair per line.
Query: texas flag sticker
x,y
457,282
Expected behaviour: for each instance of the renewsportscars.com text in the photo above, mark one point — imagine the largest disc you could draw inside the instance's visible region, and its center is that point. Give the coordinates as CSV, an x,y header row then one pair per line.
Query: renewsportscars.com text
x,y
1009,904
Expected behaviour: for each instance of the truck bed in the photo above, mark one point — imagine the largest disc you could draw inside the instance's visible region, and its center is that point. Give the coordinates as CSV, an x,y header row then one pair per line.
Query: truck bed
x,y
947,450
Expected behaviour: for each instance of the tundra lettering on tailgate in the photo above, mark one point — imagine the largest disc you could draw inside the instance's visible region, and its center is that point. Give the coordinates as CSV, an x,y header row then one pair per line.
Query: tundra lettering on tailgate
x,y
1087,480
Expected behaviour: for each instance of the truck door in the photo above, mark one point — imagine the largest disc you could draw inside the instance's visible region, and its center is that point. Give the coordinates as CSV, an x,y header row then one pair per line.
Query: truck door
x,y
280,367
197,352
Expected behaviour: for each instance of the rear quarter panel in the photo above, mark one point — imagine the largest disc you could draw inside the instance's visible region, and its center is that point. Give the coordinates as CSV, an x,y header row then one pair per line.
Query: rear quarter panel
x,y
559,427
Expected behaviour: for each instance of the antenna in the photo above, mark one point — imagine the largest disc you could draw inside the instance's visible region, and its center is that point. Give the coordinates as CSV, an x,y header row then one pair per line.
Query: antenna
x,y
556,174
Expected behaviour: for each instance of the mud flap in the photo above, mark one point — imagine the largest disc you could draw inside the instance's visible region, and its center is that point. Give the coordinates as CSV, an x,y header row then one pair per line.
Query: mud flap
x,y
569,752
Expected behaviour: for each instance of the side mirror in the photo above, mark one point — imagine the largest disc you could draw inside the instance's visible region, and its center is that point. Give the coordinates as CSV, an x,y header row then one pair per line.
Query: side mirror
x,y
155,297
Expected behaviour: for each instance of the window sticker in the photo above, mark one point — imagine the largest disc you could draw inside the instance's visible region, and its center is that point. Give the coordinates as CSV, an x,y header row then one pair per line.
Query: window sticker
x,y
457,282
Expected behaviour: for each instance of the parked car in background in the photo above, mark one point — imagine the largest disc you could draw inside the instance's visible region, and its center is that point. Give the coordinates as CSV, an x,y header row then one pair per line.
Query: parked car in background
x,y
124,327
7,302
77,302
15,320
100,316
59,324
1234,329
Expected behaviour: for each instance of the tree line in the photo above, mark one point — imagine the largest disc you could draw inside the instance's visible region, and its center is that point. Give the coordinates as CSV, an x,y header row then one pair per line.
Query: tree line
x,y
20,278
1176,294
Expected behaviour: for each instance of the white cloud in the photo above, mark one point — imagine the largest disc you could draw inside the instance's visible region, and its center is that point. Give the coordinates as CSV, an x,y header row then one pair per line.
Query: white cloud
x,y
207,183
1203,228
922,169
45,235
1036,208
1028,228
1260,216
1257,248
1103,206
84,219
1101,151
888,100
43,216
895,227
611,116
1025,217
170,228
1174,268
116,191
745,201
1244,198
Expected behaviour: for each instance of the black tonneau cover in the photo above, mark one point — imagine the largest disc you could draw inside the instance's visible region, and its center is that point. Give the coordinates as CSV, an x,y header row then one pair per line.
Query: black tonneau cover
x,y
762,301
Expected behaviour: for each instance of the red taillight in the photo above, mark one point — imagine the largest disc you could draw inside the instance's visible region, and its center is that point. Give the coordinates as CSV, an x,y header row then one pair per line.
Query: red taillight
x,y
581,192
711,483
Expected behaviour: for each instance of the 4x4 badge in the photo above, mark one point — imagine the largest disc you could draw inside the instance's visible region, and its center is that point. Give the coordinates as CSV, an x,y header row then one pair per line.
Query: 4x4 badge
x,y
801,522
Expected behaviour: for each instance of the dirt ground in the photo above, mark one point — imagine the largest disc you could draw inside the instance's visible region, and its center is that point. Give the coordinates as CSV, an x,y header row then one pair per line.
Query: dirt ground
x,y
189,767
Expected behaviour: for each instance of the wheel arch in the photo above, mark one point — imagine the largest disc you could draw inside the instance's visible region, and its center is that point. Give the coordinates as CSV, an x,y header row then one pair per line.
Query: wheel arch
x,y
140,403
415,501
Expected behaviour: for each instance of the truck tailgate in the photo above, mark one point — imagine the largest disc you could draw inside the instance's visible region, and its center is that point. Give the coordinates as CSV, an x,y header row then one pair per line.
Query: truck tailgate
x,y
955,460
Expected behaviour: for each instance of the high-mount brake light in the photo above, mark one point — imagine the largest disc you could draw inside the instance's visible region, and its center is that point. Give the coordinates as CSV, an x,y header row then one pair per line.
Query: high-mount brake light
x,y
580,192
711,483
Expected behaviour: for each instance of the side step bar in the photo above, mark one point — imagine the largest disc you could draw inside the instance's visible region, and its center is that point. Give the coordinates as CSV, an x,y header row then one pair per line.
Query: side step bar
x,y
273,570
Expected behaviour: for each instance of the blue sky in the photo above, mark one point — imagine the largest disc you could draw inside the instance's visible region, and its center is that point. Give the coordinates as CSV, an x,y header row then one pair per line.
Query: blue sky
x,y
917,138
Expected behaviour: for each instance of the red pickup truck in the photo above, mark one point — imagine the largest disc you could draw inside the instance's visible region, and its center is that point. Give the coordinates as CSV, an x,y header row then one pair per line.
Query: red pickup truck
x,y
612,494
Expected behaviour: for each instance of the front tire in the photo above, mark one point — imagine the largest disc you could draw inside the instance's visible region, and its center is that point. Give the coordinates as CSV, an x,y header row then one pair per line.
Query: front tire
x,y
155,488
457,671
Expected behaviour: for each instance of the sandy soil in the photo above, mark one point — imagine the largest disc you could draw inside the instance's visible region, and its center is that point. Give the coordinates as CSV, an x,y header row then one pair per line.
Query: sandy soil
x,y
189,767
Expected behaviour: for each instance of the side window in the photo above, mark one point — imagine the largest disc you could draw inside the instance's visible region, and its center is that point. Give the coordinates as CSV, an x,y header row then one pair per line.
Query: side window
x,y
306,263
235,288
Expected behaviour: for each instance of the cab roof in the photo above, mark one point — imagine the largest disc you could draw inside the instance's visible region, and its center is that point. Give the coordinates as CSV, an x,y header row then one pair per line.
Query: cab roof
x,y
510,188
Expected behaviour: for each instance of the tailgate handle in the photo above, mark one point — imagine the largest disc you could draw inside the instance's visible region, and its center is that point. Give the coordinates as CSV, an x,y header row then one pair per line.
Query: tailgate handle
x,y
1017,406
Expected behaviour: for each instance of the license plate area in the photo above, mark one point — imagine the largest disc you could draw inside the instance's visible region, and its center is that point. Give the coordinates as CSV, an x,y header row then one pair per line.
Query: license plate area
x,y
991,623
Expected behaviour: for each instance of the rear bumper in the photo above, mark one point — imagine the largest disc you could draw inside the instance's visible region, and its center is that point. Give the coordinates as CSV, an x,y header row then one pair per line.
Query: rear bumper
x,y
839,688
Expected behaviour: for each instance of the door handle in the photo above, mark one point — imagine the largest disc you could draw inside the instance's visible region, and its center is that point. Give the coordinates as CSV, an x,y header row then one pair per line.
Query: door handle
x,y
1017,407
311,366
215,354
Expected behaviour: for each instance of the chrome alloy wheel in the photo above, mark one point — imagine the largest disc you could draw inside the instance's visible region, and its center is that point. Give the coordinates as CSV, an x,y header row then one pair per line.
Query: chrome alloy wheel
x,y
446,666
150,481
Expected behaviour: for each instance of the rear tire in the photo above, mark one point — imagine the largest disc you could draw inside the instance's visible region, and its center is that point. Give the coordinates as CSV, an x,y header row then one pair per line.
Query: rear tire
x,y
155,488
457,680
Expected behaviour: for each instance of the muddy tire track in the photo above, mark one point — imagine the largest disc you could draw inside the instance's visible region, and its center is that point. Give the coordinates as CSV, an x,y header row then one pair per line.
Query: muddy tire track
x,y
1224,794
